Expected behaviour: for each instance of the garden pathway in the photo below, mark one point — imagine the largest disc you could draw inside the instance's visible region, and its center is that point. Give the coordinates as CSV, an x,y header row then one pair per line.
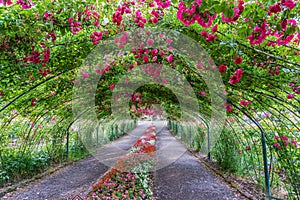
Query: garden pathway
x,y
183,178
78,177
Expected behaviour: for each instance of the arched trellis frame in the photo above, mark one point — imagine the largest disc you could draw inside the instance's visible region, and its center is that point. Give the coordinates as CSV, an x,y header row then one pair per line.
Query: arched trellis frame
x,y
70,48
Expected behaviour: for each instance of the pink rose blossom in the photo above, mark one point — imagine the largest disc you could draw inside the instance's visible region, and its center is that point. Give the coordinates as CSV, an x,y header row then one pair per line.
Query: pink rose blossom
x,y
238,60
112,86
84,75
222,68
170,58
290,96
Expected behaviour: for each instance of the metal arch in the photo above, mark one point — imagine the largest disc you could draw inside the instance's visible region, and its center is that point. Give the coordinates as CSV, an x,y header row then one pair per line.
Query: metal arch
x,y
264,146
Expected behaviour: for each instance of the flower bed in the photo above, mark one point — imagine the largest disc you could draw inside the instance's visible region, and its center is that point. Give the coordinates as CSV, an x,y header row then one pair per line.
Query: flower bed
x,y
130,178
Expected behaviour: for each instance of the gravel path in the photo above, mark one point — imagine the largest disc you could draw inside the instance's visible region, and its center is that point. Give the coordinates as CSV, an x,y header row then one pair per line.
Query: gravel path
x,y
185,178
77,178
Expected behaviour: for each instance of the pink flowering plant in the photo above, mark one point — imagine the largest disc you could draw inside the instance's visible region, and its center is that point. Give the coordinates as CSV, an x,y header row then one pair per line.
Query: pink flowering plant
x,y
130,178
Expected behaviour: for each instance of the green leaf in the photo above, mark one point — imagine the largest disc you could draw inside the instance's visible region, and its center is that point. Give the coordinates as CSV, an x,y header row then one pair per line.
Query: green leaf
x,y
218,8
228,12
